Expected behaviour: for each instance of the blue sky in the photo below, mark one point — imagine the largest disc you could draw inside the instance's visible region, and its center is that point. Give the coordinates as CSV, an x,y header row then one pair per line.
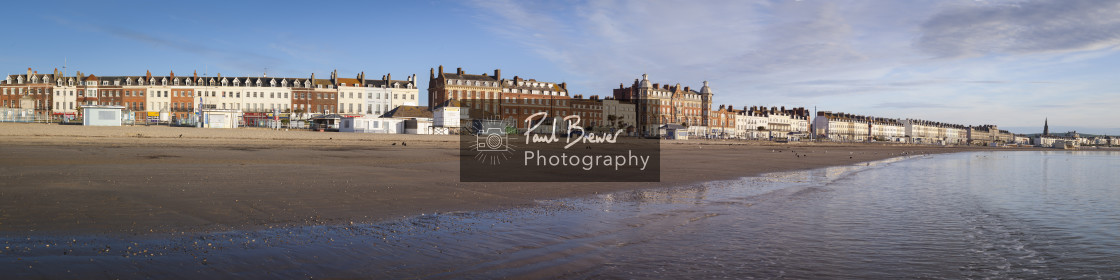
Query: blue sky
x,y
1009,63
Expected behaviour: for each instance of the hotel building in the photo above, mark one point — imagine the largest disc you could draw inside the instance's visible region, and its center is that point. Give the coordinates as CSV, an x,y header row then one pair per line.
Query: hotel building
x,y
658,105
179,97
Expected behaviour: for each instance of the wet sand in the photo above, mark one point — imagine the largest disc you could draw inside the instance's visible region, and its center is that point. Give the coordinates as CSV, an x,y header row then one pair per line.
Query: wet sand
x,y
138,180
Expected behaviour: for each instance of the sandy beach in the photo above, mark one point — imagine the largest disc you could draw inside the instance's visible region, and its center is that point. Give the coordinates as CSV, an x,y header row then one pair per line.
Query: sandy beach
x,y
143,180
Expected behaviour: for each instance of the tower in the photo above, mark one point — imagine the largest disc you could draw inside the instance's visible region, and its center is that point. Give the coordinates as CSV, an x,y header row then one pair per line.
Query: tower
x,y
705,104
1046,127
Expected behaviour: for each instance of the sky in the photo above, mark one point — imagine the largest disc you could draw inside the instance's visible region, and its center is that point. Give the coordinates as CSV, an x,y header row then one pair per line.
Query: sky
x,y
1009,63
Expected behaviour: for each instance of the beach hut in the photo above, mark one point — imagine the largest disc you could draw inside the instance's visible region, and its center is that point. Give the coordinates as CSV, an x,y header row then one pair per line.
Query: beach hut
x,y
371,125
102,115
220,118
675,131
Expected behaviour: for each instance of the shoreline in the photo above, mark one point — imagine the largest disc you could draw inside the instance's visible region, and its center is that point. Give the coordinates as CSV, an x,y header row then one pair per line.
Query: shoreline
x,y
61,180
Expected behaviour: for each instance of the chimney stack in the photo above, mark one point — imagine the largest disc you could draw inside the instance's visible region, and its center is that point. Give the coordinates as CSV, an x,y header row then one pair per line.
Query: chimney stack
x,y
498,74
459,71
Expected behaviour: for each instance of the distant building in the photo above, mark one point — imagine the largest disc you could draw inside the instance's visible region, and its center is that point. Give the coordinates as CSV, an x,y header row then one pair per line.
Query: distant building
x,y
180,97
657,105
491,96
931,132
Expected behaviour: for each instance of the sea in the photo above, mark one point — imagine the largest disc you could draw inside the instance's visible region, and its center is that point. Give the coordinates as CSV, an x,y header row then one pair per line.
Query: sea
x,y
972,215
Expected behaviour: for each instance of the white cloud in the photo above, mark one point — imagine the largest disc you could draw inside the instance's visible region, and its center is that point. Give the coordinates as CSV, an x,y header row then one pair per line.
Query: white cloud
x,y
1021,27
961,62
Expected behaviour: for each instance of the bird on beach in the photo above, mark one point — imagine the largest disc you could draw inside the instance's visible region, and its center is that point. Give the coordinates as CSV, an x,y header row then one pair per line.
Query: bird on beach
x,y
404,144
180,136
394,143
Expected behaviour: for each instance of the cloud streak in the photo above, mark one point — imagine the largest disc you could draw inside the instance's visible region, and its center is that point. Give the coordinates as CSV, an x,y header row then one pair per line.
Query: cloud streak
x,y
240,59
1021,27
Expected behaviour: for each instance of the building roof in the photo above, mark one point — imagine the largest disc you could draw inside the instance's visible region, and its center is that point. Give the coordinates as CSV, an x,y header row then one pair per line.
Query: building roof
x,y
349,81
472,77
389,84
405,111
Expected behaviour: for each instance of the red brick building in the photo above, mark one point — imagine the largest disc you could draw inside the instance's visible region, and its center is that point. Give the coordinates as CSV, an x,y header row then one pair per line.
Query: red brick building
x,y
490,96
33,87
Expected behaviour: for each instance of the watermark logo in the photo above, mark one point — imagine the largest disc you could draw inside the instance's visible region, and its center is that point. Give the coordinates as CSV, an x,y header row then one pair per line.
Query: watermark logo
x,y
492,141
552,141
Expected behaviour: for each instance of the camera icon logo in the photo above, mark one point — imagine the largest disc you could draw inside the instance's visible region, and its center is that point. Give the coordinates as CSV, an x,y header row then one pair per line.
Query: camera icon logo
x,y
493,139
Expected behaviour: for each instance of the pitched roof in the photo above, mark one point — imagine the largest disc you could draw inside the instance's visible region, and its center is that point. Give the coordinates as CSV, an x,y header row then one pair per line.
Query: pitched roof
x,y
405,111
472,77
379,83
348,81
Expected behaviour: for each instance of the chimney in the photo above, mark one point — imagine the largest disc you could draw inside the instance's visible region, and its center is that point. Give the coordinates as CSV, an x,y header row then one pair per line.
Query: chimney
x,y
686,88
432,75
498,74
656,85
389,76
564,85
147,75
29,71
459,70
440,71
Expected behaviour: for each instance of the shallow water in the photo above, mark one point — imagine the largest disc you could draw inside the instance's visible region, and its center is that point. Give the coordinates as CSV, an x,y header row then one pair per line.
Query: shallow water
x,y
966,215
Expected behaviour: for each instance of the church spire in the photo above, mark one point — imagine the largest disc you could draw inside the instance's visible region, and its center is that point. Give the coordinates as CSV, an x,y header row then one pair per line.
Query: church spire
x,y
1046,127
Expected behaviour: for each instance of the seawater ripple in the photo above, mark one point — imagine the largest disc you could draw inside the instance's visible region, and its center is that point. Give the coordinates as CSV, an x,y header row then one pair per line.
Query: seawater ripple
x,y
949,216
